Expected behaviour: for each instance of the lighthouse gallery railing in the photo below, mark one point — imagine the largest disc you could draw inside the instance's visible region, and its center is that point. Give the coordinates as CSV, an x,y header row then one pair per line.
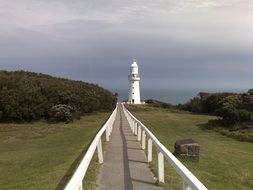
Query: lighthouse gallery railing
x,y
190,182
76,181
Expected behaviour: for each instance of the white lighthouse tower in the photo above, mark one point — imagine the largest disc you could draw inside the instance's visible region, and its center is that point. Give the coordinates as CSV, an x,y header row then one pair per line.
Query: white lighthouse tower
x,y
134,84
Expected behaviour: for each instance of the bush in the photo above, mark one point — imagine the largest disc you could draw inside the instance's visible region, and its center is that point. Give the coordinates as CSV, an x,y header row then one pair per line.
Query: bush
x,y
244,116
194,105
233,108
250,91
247,100
62,112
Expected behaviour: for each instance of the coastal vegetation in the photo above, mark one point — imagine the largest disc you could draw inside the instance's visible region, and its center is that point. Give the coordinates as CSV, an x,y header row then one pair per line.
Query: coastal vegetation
x,y
27,96
225,163
234,112
232,107
42,155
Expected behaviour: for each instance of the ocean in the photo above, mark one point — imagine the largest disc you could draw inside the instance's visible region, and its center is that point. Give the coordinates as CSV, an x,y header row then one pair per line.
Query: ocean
x,y
172,96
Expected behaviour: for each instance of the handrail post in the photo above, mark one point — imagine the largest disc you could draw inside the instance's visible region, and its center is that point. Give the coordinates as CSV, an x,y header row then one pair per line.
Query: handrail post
x,y
160,159
139,133
135,128
150,150
107,133
80,187
132,125
110,126
113,120
143,142
100,151
185,185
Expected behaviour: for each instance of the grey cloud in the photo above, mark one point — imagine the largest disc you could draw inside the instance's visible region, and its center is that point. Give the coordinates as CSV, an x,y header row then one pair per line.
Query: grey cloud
x,y
178,44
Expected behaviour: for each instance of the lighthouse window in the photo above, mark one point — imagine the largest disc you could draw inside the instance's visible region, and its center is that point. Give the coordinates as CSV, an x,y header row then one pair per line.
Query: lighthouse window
x,y
133,87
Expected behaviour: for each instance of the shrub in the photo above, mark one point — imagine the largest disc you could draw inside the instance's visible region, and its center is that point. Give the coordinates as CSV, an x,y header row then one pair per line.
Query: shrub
x,y
247,100
194,105
250,91
62,112
231,110
244,115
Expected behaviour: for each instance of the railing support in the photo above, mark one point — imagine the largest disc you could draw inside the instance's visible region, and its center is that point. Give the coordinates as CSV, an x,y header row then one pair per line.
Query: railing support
x,y
139,133
143,142
160,159
110,127
107,133
80,186
185,185
150,144
135,128
100,152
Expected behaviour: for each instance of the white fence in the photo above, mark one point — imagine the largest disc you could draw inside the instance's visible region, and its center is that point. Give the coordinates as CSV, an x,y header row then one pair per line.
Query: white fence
x,y
76,182
190,182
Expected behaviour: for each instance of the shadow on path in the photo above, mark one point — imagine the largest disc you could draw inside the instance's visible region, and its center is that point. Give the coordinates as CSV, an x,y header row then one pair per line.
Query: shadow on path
x,y
127,176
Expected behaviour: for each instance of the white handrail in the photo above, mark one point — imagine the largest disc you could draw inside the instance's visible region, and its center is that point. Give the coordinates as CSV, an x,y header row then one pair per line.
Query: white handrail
x,y
76,181
189,180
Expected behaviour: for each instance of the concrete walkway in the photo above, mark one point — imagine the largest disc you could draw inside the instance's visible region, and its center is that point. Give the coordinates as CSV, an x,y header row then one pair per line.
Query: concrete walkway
x,y
125,164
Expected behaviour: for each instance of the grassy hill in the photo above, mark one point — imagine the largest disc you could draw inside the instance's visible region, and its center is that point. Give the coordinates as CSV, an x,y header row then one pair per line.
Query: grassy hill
x,y
26,96
225,163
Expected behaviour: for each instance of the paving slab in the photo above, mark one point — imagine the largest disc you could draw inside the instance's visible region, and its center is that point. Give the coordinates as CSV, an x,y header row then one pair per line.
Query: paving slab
x,y
125,163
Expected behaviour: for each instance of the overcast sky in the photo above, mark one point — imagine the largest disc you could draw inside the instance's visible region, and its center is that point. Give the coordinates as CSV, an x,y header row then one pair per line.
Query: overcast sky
x,y
178,43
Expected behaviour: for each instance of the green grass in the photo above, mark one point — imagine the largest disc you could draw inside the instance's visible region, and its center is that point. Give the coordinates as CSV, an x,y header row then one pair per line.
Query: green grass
x,y
239,135
225,163
43,156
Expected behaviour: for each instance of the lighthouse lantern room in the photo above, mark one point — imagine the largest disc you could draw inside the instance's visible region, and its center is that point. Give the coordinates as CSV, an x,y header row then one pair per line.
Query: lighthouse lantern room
x,y
134,84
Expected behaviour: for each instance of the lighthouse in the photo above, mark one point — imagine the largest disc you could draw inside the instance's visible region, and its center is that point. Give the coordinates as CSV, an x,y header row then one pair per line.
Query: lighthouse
x,y
134,84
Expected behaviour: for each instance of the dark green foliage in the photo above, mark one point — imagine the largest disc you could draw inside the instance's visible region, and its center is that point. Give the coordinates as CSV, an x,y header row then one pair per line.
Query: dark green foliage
x,y
26,96
244,115
250,92
247,100
157,103
211,102
233,108
194,105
